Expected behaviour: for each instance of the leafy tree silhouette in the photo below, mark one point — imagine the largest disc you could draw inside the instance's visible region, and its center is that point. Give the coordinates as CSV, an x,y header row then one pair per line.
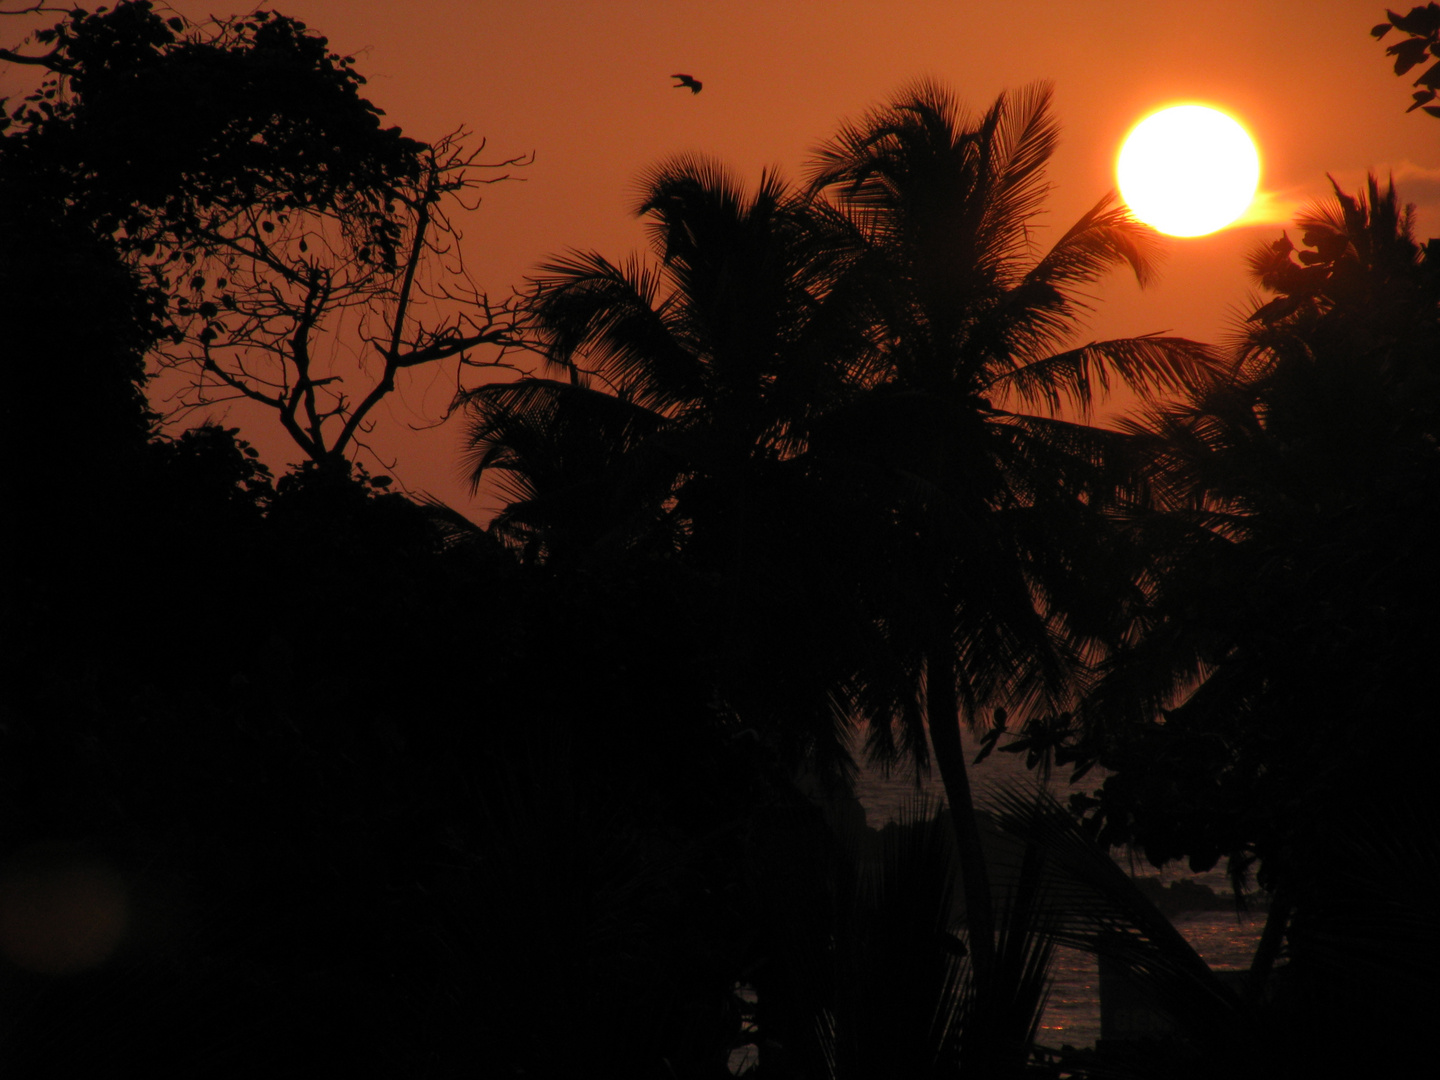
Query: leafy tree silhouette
x,y
244,176
1422,27
225,690
1286,648
88,370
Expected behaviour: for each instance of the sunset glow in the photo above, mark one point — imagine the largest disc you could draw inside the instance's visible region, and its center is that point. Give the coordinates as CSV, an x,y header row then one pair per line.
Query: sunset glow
x,y
1188,170
764,539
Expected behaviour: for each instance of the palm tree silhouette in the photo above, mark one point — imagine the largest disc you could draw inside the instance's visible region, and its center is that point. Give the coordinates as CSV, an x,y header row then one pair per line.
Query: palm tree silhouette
x,y
684,371
997,584
674,420
823,405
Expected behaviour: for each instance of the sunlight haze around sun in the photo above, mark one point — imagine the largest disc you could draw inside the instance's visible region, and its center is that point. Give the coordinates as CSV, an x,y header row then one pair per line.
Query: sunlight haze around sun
x,y
1188,170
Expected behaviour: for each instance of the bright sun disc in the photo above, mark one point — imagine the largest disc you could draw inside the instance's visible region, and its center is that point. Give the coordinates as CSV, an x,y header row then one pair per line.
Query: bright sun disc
x,y
1188,170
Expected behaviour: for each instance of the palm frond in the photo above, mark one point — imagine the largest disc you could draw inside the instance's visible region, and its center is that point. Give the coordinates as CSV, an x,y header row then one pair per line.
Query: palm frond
x,y
1046,453
611,321
1041,307
1098,909
691,198
1022,138
568,459
1075,379
1105,237
1004,1013
1202,453
506,416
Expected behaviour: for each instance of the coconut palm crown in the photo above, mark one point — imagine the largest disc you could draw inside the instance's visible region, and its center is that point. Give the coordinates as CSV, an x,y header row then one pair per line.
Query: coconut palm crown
x,y
687,369
1002,576
672,426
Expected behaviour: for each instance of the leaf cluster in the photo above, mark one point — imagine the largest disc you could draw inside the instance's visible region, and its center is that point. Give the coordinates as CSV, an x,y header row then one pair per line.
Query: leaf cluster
x,y
1288,620
238,169
159,124
1422,25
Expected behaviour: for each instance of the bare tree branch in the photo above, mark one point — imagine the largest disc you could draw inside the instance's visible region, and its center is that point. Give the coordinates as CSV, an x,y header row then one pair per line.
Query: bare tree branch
x,y
267,286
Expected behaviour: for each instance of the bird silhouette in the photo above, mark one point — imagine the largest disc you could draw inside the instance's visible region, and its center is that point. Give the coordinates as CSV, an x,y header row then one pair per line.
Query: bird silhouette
x,y
687,80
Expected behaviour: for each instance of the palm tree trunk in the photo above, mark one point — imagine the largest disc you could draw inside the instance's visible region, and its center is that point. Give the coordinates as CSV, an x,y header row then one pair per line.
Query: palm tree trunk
x,y
943,712
1266,952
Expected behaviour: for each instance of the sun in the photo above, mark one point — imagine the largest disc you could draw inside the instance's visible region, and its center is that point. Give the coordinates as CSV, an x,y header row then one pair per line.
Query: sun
x,y
1188,170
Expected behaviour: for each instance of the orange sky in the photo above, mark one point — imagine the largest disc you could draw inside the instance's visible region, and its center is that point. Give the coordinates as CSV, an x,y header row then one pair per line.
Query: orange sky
x,y
585,86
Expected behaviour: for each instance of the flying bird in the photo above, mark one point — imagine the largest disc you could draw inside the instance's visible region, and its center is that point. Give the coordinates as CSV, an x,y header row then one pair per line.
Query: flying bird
x,y
687,80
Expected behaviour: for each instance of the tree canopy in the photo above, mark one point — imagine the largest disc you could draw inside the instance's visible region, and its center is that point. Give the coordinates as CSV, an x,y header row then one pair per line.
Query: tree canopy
x,y
241,174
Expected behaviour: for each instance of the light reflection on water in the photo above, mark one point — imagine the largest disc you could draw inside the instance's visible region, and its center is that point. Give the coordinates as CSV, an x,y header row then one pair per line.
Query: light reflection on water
x,y
1072,1015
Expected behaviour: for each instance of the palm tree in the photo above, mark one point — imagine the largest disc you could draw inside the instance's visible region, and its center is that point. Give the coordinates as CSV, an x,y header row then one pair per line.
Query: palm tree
x,y
708,363
999,578
674,420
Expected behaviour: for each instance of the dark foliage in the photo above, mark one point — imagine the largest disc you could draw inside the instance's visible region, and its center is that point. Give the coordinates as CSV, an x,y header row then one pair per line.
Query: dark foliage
x,y
158,127
238,172
328,781
1272,711
1301,582
1421,27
